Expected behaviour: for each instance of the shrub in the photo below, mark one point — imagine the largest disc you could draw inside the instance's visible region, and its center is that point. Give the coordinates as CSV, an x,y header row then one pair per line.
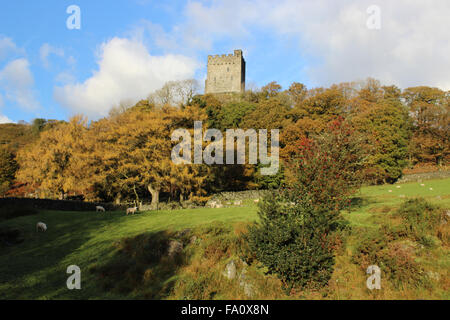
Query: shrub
x,y
395,259
138,263
198,288
293,245
399,263
421,219
369,248
219,241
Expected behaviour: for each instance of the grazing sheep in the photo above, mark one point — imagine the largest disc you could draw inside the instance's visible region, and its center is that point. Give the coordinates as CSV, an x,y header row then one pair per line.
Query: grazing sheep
x,y
398,187
40,226
422,185
99,208
431,189
256,200
213,204
238,203
390,190
132,210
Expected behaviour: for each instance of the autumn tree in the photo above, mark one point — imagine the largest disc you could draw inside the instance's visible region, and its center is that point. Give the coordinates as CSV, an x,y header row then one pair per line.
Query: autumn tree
x,y
297,92
51,162
271,89
321,104
385,125
271,113
135,148
311,113
8,168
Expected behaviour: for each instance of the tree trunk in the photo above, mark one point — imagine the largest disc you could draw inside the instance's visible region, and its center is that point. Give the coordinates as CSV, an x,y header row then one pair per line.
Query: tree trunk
x,y
118,199
155,196
135,194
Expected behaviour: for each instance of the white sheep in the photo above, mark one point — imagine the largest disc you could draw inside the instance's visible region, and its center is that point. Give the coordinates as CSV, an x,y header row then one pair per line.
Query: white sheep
x,y
213,204
238,203
132,210
40,226
99,208
256,200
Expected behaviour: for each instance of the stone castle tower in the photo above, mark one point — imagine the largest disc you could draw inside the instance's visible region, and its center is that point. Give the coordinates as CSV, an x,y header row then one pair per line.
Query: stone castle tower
x,y
226,73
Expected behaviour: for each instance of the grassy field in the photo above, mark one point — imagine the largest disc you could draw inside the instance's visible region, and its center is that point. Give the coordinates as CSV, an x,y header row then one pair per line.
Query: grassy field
x,y
373,198
36,268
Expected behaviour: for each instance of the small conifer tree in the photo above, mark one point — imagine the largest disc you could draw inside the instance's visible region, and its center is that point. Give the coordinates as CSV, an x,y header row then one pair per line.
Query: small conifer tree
x,y
293,237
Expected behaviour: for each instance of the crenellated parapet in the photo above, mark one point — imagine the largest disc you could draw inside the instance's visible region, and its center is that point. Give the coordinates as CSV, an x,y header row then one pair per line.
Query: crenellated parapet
x,y
226,58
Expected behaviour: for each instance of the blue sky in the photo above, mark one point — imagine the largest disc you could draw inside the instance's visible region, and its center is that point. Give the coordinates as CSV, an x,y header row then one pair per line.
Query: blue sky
x,y
127,49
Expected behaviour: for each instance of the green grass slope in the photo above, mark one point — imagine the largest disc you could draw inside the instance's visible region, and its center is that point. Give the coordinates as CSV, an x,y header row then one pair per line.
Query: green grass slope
x,y
36,268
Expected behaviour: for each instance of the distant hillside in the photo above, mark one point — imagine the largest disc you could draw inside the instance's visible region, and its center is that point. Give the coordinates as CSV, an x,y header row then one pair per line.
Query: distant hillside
x,y
14,136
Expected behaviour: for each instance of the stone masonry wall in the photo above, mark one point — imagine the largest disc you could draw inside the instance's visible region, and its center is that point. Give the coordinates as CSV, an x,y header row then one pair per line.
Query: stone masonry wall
x,y
226,73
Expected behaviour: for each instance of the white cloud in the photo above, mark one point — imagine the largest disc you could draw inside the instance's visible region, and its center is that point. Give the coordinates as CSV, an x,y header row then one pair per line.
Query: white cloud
x,y
411,48
7,46
65,77
126,72
17,82
71,61
46,50
4,119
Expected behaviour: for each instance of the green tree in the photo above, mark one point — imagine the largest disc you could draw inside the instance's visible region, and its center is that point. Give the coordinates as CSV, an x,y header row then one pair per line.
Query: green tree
x,y
38,125
8,168
383,120
293,236
430,111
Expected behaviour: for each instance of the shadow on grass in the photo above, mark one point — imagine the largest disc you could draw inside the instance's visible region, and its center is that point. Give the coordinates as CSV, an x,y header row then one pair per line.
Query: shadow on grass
x,y
10,237
13,211
142,267
358,203
34,268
